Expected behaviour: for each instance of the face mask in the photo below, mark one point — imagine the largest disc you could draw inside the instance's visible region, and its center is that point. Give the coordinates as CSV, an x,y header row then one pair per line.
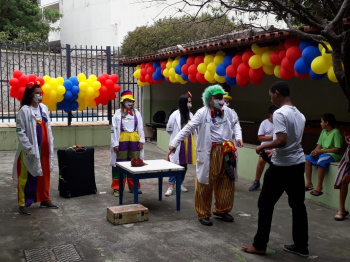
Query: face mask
x,y
218,104
129,105
37,98
189,105
227,104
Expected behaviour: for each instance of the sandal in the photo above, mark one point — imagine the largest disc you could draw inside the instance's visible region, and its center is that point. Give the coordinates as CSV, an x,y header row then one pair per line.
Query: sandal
x,y
340,216
316,193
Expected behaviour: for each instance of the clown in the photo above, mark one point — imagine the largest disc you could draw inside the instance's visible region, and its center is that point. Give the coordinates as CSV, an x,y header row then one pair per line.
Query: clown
x,y
215,124
127,139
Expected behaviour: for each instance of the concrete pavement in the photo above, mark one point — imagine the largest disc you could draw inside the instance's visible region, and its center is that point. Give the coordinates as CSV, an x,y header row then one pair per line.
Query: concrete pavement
x,y
79,231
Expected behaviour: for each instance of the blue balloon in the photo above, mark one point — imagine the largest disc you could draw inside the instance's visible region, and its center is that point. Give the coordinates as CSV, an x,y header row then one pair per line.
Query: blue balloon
x,y
230,80
227,60
221,70
74,80
310,53
68,95
156,76
156,64
159,70
74,106
315,76
68,84
182,60
305,43
178,69
75,89
75,97
184,77
301,66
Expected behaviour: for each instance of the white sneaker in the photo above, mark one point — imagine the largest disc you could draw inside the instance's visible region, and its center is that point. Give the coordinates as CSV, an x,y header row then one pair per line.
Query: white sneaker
x,y
184,189
169,192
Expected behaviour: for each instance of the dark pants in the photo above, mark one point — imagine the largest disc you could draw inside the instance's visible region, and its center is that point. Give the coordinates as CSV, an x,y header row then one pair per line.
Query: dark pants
x,y
278,179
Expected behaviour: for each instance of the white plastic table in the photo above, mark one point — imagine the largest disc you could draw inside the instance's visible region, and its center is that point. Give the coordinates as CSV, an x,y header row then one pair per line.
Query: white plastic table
x,y
153,169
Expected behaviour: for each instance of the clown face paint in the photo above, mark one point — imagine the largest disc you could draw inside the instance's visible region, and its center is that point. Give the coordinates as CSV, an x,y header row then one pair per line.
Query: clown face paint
x,y
37,98
219,103
129,104
227,103
189,105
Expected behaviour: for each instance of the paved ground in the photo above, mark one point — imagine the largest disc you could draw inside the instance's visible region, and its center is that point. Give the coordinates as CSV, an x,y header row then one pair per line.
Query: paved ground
x,y
79,229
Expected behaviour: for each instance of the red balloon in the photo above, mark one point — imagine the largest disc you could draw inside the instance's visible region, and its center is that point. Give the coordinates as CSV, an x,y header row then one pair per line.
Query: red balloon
x,y
17,73
106,75
109,83
20,93
192,69
293,53
41,80
101,79
104,102
231,71
142,65
287,64
190,60
148,78
281,46
199,59
184,69
32,77
301,76
14,82
291,41
13,91
150,70
275,58
159,81
246,55
256,74
23,80
142,78
167,79
143,71
256,81
236,60
243,70
200,77
282,54
114,78
103,91
149,64
286,74
116,88
242,80
192,78
163,64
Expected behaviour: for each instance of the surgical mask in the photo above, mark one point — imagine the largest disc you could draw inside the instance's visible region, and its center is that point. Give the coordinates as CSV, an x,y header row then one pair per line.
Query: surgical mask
x,y
189,105
227,104
129,105
37,98
218,104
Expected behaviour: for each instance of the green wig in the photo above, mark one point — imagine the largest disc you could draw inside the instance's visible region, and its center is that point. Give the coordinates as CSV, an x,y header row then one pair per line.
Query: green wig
x,y
211,91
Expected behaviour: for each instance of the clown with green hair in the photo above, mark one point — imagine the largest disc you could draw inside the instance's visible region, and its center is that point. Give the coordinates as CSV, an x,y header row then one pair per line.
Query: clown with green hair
x,y
215,155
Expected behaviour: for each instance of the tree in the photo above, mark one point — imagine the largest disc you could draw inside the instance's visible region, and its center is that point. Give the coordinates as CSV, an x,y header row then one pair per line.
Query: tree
x,y
325,16
174,31
22,22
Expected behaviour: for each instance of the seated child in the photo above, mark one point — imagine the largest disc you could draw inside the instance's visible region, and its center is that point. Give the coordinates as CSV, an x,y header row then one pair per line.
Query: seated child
x,y
327,151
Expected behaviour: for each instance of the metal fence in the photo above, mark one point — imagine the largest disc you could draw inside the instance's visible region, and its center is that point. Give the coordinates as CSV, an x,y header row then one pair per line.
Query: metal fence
x,y
64,61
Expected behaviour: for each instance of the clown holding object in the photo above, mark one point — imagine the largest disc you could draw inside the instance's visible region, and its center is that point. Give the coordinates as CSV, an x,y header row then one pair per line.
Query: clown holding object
x,y
34,156
127,139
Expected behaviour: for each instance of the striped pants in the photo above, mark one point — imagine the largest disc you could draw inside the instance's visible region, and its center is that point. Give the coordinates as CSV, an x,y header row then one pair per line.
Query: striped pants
x,y
224,188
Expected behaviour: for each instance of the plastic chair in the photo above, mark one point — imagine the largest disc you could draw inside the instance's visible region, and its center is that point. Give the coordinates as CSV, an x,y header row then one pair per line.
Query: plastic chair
x,y
159,122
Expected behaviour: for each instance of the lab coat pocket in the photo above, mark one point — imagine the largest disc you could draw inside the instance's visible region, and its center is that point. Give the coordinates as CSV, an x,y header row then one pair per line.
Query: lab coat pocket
x,y
201,155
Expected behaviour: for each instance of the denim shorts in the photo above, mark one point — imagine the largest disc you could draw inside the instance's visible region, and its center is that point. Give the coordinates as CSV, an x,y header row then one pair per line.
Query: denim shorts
x,y
322,160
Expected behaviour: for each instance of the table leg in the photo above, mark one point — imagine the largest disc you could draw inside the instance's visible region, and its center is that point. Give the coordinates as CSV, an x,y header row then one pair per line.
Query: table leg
x,y
178,190
160,187
136,190
121,190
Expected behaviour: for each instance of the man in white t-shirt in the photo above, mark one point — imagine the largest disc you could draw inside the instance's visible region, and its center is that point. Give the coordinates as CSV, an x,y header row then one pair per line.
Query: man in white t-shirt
x,y
286,173
265,134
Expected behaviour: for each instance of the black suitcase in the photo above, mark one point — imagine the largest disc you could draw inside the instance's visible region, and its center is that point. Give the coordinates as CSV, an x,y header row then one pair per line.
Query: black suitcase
x,y
76,172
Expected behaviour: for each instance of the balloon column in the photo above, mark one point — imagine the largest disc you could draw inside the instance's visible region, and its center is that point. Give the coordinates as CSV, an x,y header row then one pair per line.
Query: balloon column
x,y
293,58
75,93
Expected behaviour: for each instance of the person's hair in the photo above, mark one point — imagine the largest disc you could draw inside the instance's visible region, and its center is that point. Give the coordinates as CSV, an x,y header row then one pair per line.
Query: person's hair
x,y
184,111
272,109
281,87
27,96
330,118
207,94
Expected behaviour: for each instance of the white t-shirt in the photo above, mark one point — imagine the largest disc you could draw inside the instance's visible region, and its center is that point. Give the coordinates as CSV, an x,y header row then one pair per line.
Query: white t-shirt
x,y
128,123
36,112
289,120
265,129
219,129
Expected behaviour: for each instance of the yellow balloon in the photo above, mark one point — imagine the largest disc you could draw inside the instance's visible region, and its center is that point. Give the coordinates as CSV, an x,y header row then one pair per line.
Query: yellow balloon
x,y
183,82
211,67
83,86
331,75
220,53
81,77
45,88
172,72
137,73
93,78
166,72
208,76
265,58
53,94
61,90
277,71
208,59
89,82
258,50
47,79
218,59
81,94
138,67
327,56
90,91
319,65
201,68
53,83
96,85
92,104
219,79
172,79
255,62
139,83
96,94
169,63
269,70
175,63
81,107
52,107
178,78
60,80
60,98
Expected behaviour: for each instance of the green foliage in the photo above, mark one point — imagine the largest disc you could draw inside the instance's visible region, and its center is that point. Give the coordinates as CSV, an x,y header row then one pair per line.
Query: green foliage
x,y
173,31
22,22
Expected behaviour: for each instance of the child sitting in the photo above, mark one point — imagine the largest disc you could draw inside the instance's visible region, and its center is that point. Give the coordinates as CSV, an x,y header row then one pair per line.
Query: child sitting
x,y
327,151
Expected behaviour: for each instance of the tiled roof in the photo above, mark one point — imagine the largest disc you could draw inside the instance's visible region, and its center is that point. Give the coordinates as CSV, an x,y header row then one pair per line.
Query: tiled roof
x,y
229,41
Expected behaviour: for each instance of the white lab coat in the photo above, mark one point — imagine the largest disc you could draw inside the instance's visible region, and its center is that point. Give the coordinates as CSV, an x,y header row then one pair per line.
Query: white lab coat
x,y
202,120
173,127
115,134
28,144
